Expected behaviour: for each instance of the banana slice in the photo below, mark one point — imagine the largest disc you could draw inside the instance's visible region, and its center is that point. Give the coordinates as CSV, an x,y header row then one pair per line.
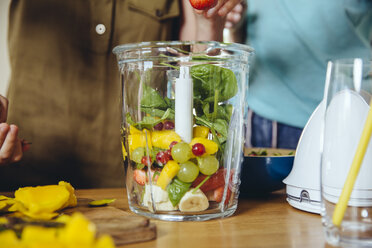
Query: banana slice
x,y
161,199
193,202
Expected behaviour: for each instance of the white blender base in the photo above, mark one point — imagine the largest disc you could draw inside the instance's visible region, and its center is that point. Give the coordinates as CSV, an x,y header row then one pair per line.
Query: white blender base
x,y
304,199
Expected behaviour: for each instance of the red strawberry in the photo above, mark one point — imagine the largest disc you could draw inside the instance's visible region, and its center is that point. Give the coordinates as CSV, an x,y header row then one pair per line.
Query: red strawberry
x,y
215,181
140,177
218,194
203,4
146,160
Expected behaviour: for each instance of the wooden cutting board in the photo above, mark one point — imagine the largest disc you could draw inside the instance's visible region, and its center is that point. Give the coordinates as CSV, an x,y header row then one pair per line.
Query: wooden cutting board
x,y
123,227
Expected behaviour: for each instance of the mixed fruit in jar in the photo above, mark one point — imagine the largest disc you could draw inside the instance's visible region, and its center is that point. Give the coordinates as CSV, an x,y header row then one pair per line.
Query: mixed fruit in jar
x,y
184,176
171,174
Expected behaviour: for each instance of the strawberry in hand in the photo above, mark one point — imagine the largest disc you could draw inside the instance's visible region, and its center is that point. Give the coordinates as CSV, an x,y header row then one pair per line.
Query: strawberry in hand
x,y
203,4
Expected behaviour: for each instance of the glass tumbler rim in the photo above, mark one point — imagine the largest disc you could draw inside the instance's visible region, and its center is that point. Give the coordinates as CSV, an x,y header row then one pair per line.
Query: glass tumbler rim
x,y
144,44
350,61
131,51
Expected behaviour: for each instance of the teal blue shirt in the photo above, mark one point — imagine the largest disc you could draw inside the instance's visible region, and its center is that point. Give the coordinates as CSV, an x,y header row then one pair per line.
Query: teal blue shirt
x,y
294,40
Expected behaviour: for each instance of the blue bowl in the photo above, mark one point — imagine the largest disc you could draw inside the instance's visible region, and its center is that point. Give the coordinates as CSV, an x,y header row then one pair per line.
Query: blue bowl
x,y
263,173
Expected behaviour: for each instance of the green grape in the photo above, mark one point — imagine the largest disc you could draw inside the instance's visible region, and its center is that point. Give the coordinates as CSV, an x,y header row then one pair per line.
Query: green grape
x,y
137,154
208,165
188,172
181,152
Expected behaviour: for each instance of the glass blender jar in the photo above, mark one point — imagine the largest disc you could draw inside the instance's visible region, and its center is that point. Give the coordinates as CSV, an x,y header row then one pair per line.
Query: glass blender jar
x,y
183,106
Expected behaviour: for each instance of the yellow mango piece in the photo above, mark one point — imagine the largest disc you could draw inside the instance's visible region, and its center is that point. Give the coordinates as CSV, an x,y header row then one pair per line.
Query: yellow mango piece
x,y
6,202
40,216
78,230
17,206
38,234
40,199
164,138
105,241
133,130
200,131
63,218
3,220
8,238
102,202
169,171
211,147
3,197
139,140
72,201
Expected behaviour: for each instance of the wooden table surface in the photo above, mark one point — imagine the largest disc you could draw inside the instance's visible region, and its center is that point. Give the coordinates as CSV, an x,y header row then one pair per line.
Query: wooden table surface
x,y
266,222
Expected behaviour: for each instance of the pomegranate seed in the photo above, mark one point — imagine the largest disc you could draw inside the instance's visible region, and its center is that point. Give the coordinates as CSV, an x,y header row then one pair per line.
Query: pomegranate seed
x,y
159,126
169,153
168,125
172,144
198,149
162,157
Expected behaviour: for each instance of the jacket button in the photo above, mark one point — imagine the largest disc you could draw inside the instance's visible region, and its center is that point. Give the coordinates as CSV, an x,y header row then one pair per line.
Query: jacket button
x,y
159,13
100,29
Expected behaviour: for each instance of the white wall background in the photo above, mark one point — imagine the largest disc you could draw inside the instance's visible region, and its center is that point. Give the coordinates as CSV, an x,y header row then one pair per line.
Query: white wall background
x,y
4,58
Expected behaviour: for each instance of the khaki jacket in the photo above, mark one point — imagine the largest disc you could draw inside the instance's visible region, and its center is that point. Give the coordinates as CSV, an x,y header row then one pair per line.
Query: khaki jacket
x,y
64,88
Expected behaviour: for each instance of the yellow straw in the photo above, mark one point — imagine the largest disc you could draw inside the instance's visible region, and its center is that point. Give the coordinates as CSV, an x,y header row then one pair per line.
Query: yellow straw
x,y
341,206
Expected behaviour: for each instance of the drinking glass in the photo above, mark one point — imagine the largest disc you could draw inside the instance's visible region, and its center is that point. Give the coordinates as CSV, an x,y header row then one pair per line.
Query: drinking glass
x,y
183,107
347,96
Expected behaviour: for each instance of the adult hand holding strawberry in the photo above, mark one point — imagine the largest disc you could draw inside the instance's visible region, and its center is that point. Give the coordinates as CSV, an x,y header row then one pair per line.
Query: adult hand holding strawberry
x,y
210,8
203,4
204,20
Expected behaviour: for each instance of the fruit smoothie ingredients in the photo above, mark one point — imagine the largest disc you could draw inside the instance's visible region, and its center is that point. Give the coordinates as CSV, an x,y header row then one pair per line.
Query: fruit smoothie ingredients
x,y
177,190
210,146
183,173
194,201
208,165
162,139
160,197
169,171
181,152
168,125
215,181
139,140
200,131
198,149
188,172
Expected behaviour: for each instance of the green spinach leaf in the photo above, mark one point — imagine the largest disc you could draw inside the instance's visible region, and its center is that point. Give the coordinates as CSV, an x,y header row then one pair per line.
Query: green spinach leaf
x,y
219,125
223,111
152,99
158,112
176,190
208,78
148,122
